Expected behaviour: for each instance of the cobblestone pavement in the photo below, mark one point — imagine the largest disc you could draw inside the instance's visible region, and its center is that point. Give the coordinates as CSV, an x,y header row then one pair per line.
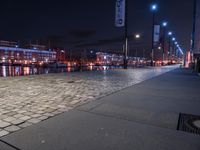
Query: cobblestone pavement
x,y
30,99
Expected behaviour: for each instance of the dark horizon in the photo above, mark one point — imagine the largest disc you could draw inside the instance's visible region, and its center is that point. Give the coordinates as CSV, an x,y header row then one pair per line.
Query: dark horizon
x,y
89,24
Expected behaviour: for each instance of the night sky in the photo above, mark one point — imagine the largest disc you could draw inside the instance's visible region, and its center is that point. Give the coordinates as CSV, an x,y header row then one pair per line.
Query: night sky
x,y
89,24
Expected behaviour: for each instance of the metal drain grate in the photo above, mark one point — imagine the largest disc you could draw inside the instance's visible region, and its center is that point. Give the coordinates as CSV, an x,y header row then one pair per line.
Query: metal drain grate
x,y
189,123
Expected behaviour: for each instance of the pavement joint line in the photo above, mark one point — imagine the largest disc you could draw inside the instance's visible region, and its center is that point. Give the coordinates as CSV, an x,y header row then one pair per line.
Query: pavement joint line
x,y
16,148
129,120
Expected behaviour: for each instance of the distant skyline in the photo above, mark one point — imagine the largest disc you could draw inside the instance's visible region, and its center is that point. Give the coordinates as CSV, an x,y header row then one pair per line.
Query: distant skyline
x,y
89,24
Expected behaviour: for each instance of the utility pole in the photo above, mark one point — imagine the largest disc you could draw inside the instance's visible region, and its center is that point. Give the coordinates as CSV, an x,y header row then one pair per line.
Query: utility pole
x,y
169,49
126,35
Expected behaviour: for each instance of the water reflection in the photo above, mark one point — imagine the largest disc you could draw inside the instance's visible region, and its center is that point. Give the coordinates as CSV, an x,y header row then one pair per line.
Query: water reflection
x,y
6,71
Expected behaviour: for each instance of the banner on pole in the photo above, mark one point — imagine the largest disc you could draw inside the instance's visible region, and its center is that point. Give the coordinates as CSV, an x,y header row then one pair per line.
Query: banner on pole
x,y
156,33
120,13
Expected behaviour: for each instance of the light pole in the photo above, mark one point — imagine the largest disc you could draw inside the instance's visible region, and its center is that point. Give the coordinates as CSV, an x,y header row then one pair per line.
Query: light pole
x,y
137,37
173,47
126,35
164,24
176,43
169,49
154,8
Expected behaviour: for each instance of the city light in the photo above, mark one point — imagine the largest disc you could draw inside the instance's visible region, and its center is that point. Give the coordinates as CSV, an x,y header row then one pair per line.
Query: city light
x,y
164,24
170,33
154,7
137,36
173,39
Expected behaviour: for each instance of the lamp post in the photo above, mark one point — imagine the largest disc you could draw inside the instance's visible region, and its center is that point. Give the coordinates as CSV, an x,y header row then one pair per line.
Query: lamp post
x,y
137,37
164,24
169,49
154,8
126,36
173,47
176,43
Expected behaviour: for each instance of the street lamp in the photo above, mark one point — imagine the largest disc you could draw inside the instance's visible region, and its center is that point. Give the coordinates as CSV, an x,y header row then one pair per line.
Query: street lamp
x,y
173,48
164,25
154,8
137,36
176,52
169,50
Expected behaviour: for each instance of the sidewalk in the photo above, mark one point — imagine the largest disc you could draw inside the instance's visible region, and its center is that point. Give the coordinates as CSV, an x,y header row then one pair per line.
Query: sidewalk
x,y
141,117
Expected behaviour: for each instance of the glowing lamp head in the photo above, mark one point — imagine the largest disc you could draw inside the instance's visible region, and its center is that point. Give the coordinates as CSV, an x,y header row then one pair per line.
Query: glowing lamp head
x,y
173,39
154,7
164,24
169,33
137,36
176,43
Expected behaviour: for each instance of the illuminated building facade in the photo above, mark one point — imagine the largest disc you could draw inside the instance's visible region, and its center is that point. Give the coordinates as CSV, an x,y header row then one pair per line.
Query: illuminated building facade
x,y
10,53
109,59
116,60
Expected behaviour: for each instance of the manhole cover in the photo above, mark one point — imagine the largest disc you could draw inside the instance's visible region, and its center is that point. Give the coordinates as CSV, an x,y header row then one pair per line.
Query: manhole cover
x,y
189,123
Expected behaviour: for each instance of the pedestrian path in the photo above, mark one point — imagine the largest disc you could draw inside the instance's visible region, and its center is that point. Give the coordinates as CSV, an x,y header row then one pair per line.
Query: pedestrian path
x,y
142,117
28,100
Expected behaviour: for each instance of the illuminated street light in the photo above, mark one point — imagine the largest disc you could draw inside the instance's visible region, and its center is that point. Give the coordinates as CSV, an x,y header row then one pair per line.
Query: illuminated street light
x,y
137,36
169,33
173,39
164,24
169,49
154,9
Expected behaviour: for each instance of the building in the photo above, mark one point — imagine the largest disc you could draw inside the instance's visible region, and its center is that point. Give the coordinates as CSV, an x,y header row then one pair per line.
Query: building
x,y
116,59
11,53
108,59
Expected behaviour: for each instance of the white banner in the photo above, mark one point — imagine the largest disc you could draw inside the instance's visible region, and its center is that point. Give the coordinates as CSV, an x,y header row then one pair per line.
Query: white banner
x,y
120,13
156,33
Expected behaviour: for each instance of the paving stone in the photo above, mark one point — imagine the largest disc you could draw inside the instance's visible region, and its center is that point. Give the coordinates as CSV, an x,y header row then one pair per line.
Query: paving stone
x,y
12,128
25,118
36,115
25,124
4,124
3,133
17,122
18,116
74,102
34,120
9,119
